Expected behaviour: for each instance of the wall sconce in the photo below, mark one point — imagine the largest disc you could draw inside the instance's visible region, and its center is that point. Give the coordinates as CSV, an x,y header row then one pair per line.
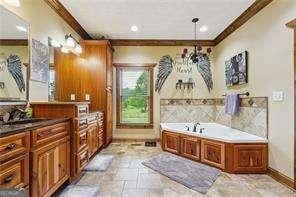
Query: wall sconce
x,y
73,43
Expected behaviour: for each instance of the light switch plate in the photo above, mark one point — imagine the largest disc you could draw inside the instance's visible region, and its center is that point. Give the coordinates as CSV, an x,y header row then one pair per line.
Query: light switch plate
x,y
72,97
278,96
87,97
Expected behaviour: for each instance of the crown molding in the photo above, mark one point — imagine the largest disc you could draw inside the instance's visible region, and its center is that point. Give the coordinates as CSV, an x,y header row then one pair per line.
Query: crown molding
x,y
292,24
238,22
66,15
242,19
13,42
160,42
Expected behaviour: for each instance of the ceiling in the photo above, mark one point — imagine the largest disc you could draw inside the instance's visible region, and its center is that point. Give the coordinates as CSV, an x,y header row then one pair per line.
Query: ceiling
x,y
8,24
155,19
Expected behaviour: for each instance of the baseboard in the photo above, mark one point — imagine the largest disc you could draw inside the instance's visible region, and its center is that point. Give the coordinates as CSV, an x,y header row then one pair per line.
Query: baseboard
x,y
280,177
133,140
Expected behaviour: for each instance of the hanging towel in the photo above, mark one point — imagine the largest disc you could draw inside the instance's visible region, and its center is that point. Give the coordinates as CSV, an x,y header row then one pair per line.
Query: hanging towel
x,y
231,104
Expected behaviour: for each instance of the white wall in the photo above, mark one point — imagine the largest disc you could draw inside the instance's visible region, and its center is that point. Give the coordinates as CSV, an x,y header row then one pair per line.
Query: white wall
x,y
270,46
44,23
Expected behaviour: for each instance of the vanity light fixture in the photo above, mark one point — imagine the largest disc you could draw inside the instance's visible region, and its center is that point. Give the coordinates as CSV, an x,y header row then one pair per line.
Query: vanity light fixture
x,y
15,3
21,28
78,49
134,28
64,50
203,29
70,41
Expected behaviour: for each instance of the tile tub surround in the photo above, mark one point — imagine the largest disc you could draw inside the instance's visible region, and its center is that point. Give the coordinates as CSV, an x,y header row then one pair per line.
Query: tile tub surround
x,y
251,118
128,177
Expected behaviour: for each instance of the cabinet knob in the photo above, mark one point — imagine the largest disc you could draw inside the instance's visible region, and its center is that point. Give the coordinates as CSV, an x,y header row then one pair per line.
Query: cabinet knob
x,y
8,178
10,146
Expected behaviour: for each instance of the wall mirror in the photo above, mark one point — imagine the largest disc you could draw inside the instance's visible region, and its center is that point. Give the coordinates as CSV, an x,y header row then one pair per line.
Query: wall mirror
x,y
51,79
14,57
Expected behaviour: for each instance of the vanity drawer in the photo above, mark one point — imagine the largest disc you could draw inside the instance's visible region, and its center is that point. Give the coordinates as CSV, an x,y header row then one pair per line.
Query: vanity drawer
x,y
14,145
81,110
92,119
49,133
15,173
80,123
81,160
81,140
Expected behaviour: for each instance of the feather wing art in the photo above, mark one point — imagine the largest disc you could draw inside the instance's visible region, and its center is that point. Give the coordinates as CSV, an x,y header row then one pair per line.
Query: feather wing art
x,y
14,66
165,69
204,68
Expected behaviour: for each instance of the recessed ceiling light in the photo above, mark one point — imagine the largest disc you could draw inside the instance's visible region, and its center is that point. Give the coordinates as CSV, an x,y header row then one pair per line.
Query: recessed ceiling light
x,y
21,28
203,29
15,3
134,28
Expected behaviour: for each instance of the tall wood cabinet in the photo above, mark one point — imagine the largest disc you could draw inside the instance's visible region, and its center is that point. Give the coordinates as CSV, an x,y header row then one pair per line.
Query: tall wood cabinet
x,y
88,74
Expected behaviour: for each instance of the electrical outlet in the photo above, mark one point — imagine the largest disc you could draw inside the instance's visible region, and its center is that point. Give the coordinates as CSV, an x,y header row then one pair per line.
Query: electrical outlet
x,y
87,97
278,96
72,97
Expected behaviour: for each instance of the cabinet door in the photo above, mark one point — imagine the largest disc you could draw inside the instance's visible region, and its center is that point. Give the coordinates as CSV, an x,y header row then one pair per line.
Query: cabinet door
x,y
50,167
170,142
92,141
250,158
213,153
109,114
109,67
190,147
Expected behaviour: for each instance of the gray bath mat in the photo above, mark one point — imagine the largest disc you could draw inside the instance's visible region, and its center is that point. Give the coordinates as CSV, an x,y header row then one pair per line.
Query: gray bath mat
x,y
80,190
100,162
194,175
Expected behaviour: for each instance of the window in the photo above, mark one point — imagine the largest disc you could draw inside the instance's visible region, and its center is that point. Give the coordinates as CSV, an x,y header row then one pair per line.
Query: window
x,y
134,97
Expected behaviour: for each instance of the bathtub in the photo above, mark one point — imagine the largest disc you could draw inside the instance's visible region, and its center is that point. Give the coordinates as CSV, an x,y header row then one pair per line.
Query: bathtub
x,y
214,131
231,150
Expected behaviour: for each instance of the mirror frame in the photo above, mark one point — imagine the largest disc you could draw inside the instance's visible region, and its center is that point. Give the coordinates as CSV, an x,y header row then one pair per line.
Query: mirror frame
x,y
8,101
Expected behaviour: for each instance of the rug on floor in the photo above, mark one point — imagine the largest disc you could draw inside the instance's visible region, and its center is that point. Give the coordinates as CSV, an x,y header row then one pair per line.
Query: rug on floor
x,y
100,162
80,190
194,175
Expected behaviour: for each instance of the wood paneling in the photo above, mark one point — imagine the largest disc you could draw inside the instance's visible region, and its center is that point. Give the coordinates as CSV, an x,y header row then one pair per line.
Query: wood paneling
x,y
147,42
65,14
13,42
242,19
229,157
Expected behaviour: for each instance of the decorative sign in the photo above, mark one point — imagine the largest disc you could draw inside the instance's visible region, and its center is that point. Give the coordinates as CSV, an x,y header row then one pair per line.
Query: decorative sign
x,y
40,61
183,64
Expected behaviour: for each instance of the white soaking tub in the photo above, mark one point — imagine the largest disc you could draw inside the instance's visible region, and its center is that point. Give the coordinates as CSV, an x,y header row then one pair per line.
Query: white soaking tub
x,y
214,131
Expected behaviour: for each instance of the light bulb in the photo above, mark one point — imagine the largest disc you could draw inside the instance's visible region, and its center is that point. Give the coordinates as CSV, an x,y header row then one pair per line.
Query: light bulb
x,y
54,43
70,42
78,49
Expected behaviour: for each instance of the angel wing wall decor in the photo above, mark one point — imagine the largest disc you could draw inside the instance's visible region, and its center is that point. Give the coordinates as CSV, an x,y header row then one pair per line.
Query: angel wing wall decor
x,y
14,66
165,69
204,68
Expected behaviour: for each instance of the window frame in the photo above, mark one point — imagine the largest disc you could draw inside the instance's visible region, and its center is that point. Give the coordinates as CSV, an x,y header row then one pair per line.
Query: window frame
x,y
133,66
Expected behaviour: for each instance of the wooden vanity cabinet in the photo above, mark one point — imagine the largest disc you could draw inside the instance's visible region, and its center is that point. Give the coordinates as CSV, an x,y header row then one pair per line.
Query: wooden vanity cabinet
x,y
92,139
50,160
190,147
171,142
14,160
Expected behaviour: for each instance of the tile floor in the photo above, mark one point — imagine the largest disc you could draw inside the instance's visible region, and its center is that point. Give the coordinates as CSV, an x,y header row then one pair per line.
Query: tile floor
x,y
127,177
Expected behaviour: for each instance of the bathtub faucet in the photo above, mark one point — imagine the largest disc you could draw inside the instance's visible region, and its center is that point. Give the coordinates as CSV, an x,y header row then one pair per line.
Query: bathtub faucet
x,y
195,125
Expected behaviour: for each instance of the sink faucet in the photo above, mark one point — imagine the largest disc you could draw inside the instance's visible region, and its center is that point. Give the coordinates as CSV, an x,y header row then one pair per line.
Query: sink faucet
x,y
201,130
195,125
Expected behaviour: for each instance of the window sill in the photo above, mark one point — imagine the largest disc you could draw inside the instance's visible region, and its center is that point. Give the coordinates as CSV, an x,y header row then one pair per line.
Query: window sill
x,y
134,126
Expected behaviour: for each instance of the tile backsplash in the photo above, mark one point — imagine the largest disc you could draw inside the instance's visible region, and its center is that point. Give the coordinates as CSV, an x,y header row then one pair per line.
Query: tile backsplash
x,y
251,118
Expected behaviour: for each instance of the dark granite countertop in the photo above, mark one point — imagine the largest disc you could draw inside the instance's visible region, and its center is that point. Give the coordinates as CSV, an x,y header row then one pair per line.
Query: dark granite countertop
x,y
9,129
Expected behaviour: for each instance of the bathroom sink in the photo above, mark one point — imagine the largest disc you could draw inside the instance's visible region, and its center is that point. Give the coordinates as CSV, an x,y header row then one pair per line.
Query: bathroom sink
x,y
25,121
